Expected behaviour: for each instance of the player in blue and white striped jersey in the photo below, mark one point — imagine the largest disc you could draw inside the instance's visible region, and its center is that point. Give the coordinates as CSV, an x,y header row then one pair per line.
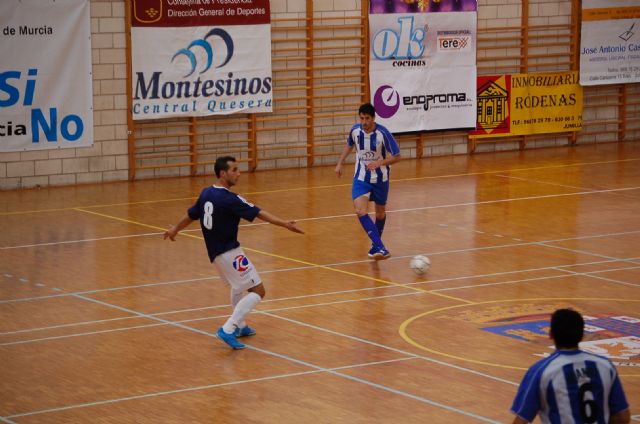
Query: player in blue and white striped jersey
x,y
376,149
571,386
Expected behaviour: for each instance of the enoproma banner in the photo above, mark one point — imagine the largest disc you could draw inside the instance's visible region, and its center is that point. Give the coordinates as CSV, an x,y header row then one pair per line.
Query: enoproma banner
x,y
200,57
522,104
46,96
422,65
610,42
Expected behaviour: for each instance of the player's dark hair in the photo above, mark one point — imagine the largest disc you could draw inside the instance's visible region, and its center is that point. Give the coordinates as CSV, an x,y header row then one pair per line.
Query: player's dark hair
x,y
222,164
567,328
367,109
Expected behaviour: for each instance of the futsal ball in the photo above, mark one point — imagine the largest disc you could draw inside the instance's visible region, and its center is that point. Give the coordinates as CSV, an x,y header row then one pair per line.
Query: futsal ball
x,y
420,264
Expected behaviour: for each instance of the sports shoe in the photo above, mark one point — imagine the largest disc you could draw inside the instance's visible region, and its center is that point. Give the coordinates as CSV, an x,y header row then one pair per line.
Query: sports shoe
x,y
229,339
245,331
380,254
372,251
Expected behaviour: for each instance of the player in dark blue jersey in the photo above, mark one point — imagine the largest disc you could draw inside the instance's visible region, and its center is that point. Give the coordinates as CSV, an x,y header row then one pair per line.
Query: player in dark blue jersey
x,y
219,211
376,149
571,386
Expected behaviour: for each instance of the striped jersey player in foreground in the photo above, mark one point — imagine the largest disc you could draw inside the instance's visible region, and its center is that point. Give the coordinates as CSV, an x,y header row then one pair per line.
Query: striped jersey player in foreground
x,y
571,386
219,211
376,149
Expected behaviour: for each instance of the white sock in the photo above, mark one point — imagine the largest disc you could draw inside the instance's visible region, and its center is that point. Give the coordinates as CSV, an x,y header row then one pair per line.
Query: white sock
x,y
242,309
236,296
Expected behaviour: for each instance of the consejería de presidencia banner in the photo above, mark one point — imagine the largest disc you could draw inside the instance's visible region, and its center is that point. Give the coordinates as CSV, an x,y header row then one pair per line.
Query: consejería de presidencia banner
x,y
522,104
422,64
200,57
46,95
610,42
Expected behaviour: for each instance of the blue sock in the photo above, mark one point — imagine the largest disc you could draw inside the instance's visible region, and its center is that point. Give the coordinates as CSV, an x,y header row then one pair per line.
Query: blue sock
x,y
380,225
371,230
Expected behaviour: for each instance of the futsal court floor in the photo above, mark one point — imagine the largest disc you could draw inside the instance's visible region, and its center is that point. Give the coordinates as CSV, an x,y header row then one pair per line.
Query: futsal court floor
x,y
103,321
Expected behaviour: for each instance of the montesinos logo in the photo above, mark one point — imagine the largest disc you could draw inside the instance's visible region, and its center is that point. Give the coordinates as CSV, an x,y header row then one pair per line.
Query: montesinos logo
x,y
208,49
155,86
241,263
386,100
406,43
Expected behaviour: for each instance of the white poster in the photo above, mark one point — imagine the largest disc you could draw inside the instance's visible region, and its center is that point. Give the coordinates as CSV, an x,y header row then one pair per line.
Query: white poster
x,y
191,60
422,65
46,96
610,42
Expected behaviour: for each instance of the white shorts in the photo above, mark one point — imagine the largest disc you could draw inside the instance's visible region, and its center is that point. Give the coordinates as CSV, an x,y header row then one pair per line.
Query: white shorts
x,y
237,270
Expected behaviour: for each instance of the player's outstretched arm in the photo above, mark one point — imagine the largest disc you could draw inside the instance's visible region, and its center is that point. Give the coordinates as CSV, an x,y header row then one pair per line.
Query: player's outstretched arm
x,y
173,231
272,219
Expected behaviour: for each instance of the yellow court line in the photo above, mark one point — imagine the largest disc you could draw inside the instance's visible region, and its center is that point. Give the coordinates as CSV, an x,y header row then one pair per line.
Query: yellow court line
x,y
431,177
299,261
403,327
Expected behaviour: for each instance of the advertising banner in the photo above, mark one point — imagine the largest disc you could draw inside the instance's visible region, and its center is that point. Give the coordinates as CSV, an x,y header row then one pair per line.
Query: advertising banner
x,y
200,57
46,95
610,42
523,104
422,64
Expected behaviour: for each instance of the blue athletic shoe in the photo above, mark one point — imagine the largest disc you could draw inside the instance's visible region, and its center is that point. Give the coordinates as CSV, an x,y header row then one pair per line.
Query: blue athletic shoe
x,y
381,254
229,339
245,331
373,251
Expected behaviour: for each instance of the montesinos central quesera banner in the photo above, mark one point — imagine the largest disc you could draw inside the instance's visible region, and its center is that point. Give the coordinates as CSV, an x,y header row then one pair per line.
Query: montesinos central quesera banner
x,y
200,57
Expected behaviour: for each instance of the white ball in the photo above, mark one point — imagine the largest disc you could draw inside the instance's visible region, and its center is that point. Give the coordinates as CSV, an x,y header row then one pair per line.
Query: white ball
x,y
420,264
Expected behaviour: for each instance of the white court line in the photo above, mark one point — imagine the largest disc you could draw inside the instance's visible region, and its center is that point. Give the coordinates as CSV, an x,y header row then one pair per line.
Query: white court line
x,y
55,243
306,187
72,324
6,420
337,264
584,252
296,361
516,199
197,388
206,318
525,280
530,180
210,317
186,310
109,289
606,279
453,205
256,380
392,349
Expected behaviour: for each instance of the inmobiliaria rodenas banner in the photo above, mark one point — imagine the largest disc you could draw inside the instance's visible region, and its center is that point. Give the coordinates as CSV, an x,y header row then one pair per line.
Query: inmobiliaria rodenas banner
x,y
200,57
45,75
523,104
422,64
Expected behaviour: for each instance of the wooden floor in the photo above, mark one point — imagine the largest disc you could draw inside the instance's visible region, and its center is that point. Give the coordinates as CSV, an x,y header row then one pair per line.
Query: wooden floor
x,y
103,321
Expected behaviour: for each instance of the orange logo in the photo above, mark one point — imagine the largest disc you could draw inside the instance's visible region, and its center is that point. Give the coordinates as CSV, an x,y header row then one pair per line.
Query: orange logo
x,y
147,11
